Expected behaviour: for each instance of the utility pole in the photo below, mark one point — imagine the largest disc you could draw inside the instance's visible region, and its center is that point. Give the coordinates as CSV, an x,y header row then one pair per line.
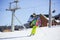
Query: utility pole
x,y
13,13
50,15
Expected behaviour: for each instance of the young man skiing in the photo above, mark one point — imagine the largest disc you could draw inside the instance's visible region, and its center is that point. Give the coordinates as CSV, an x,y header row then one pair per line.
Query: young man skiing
x,y
33,24
36,22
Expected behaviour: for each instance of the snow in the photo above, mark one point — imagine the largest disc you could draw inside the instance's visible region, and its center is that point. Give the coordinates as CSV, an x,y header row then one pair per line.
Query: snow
x,y
43,33
57,21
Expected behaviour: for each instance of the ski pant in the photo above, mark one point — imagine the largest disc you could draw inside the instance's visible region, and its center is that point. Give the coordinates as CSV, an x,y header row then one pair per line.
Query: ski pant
x,y
33,30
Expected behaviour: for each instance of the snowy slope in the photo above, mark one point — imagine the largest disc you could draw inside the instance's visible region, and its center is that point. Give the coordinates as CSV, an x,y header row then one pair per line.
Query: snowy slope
x,y
43,33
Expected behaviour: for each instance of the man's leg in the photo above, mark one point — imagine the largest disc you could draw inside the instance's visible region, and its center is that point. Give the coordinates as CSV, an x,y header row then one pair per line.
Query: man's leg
x,y
33,30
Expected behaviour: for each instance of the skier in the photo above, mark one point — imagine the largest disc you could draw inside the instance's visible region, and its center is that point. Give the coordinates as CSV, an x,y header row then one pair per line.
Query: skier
x,y
36,22
34,25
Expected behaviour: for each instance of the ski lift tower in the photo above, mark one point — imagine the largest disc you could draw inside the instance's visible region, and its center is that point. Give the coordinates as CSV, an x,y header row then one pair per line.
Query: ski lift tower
x,y
50,15
13,12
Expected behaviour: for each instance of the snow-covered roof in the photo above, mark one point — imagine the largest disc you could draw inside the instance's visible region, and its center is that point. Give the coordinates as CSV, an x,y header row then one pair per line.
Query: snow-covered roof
x,y
46,17
57,21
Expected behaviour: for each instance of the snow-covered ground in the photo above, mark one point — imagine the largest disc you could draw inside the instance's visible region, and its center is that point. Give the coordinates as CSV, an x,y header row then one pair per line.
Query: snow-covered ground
x,y
43,33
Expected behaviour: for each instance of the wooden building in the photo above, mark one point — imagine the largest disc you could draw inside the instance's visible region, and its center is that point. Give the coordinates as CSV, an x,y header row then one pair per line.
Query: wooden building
x,y
45,20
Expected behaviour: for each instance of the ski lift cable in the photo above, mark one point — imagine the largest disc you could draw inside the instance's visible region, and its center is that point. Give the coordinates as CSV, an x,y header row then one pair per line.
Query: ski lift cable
x,y
20,22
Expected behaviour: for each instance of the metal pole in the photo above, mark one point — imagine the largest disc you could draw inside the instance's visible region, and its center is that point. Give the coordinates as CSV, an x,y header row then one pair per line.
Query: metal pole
x,y
20,22
13,13
50,16
12,21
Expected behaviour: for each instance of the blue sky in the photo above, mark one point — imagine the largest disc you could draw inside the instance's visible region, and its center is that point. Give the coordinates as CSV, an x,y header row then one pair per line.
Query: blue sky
x,y
27,8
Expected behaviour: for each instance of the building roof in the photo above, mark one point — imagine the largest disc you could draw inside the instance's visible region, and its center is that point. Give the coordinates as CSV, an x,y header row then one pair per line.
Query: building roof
x,y
46,16
58,21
